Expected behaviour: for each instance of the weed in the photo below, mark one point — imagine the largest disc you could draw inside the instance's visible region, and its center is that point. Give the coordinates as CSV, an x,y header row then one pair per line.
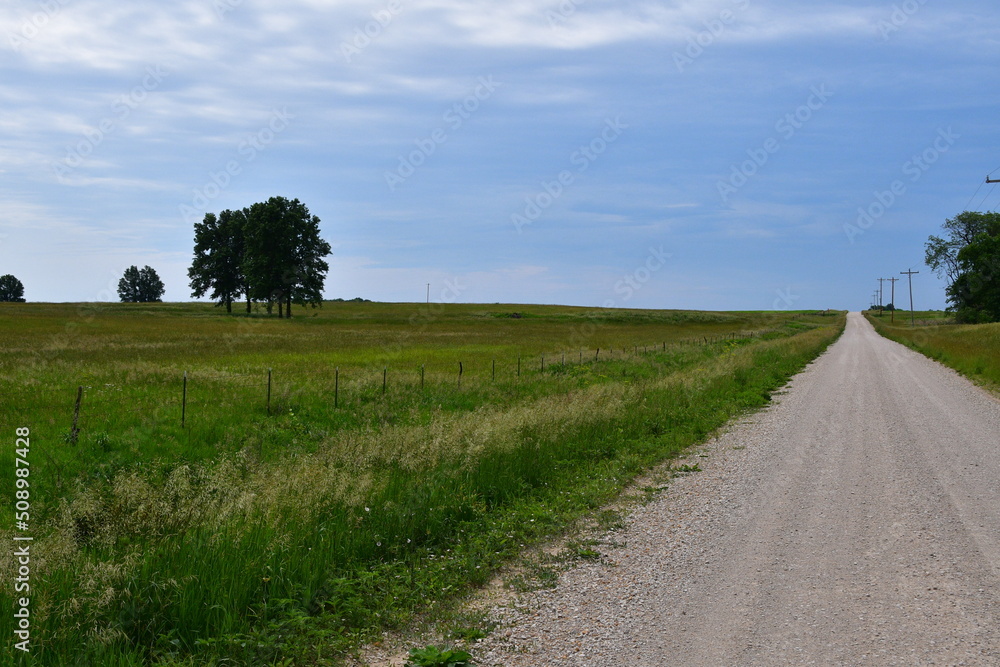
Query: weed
x,y
469,634
432,656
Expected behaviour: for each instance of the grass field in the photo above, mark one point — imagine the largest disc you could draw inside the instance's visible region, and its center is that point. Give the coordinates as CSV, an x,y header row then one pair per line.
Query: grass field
x,y
971,349
375,483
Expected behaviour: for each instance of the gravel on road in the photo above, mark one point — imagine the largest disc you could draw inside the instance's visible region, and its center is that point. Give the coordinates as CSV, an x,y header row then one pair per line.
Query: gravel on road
x,y
856,521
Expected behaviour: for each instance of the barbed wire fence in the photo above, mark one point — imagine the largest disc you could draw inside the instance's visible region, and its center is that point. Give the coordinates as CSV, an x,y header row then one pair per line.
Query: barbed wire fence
x,y
105,407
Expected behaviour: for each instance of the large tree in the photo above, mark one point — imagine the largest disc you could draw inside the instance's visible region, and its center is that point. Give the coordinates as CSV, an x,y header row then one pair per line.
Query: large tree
x,y
219,250
140,285
941,254
283,260
975,291
11,289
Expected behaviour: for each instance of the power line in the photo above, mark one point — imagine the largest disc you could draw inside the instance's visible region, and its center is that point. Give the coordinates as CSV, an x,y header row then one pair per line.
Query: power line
x,y
983,201
981,183
973,196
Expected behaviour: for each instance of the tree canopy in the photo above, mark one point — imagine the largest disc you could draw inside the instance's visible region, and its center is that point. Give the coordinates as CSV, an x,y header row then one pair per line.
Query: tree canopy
x,y
269,252
970,260
140,285
218,258
11,289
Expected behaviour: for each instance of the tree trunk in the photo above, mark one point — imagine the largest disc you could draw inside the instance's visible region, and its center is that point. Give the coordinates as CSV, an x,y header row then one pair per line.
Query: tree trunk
x,y
229,305
248,302
288,306
281,305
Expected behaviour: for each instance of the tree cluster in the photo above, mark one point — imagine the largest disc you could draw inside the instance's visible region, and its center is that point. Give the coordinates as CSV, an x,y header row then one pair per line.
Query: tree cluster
x,y
11,289
269,252
140,286
969,258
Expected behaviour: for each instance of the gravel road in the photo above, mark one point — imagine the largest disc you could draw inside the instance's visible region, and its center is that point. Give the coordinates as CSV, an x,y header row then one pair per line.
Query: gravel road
x,y
856,521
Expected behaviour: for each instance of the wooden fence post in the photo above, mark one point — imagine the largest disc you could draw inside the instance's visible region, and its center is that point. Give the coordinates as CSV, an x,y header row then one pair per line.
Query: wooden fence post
x,y
74,432
460,374
184,399
268,391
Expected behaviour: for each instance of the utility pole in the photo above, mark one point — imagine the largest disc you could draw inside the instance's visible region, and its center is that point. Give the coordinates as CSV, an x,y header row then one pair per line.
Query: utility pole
x,y
892,313
992,180
880,296
909,277
428,292
874,299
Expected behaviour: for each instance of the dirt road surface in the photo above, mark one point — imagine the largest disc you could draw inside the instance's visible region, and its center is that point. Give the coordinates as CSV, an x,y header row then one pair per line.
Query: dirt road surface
x,y
854,522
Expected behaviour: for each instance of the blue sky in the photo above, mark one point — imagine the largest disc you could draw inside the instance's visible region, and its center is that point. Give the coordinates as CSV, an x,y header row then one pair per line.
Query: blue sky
x,y
691,154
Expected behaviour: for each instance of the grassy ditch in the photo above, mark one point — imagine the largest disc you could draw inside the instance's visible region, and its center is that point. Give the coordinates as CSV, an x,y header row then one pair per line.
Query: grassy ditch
x,y
970,349
297,557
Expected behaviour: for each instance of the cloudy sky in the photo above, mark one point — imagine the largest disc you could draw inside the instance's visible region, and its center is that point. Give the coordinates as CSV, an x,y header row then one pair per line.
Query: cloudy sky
x,y
729,154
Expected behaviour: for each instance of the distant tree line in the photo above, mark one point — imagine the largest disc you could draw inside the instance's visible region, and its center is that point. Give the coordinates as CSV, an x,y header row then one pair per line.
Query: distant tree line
x,y
969,259
269,252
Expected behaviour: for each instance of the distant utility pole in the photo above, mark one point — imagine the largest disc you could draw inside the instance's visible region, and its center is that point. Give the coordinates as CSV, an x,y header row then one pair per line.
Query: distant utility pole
x,y
874,299
880,302
909,278
892,313
428,292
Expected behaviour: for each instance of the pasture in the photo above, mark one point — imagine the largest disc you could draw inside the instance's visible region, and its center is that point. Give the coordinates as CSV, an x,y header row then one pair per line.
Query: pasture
x,y
398,456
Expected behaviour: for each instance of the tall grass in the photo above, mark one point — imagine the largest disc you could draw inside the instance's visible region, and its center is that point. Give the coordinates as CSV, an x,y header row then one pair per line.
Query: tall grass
x,y
970,349
301,552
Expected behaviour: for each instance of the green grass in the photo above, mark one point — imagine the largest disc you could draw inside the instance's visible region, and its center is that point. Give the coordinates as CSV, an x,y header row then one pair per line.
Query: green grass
x,y
971,349
297,535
